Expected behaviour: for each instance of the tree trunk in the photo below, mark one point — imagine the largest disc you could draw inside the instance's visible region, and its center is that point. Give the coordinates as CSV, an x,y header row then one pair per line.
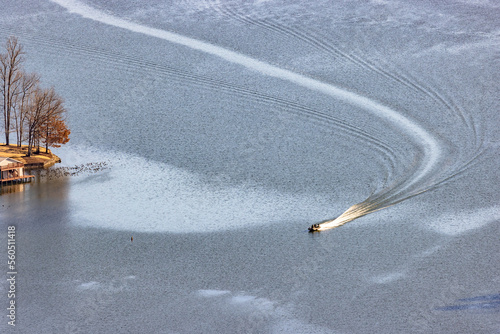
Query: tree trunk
x,y
4,93
10,76
7,117
47,139
29,143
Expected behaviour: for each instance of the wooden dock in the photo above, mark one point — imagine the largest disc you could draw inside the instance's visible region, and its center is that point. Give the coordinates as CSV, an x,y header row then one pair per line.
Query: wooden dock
x,y
12,172
18,179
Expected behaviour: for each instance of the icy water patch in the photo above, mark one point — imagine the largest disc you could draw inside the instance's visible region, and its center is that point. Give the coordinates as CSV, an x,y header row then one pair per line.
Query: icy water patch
x,y
137,194
387,278
252,314
213,293
458,223
89,286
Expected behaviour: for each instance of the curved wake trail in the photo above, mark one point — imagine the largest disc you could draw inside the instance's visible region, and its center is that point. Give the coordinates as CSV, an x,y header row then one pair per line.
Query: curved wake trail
x,y
421,137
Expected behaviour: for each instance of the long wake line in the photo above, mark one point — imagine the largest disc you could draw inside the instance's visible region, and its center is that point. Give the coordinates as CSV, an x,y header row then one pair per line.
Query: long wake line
x,y
421,137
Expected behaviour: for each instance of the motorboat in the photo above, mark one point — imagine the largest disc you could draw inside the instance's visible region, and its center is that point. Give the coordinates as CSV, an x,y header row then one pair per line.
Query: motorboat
x,y
314,228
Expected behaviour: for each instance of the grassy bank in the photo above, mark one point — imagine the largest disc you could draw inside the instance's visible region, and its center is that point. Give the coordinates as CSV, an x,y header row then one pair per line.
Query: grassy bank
x,y
44,159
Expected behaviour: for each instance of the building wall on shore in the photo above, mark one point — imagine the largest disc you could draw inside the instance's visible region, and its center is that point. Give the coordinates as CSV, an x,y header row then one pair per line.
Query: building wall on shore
x,y
12,168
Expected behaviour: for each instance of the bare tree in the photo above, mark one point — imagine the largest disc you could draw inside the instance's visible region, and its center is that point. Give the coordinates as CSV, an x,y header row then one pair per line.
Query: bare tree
x,y
46,105
37,112
29,83
10,76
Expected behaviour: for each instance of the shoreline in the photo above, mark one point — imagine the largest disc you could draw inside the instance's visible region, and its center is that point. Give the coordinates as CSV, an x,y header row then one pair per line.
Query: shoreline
x,y
42,160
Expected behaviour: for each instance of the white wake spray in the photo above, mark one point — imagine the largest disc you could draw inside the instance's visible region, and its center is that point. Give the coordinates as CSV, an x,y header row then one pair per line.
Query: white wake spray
x,y
420,136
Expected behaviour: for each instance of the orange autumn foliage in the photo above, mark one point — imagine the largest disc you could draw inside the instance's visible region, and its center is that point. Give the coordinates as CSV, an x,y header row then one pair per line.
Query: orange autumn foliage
x,y
57,133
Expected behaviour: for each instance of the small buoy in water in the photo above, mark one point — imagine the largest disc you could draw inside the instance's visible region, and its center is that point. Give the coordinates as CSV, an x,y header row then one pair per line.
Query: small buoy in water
x,y
131,239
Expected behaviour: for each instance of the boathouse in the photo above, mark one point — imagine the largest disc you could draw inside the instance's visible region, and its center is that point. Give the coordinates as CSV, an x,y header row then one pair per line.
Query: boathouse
x,y
12,171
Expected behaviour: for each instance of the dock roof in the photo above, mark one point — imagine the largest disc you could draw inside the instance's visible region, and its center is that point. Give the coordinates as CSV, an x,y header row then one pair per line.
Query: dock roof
x,y
8,161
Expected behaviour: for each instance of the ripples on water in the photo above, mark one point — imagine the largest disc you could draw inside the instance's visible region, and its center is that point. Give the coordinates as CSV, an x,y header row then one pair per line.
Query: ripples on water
x,y
197,144
426,175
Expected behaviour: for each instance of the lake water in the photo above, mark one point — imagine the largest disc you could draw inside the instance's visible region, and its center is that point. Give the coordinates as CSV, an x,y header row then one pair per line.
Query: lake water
x,y
222,130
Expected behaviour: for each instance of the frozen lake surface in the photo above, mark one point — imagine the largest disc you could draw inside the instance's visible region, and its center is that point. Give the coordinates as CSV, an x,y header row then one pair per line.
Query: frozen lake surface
x,y
226,130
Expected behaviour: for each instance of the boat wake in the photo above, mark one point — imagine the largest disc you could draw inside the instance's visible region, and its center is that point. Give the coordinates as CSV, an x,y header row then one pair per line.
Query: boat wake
x,y
429,147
